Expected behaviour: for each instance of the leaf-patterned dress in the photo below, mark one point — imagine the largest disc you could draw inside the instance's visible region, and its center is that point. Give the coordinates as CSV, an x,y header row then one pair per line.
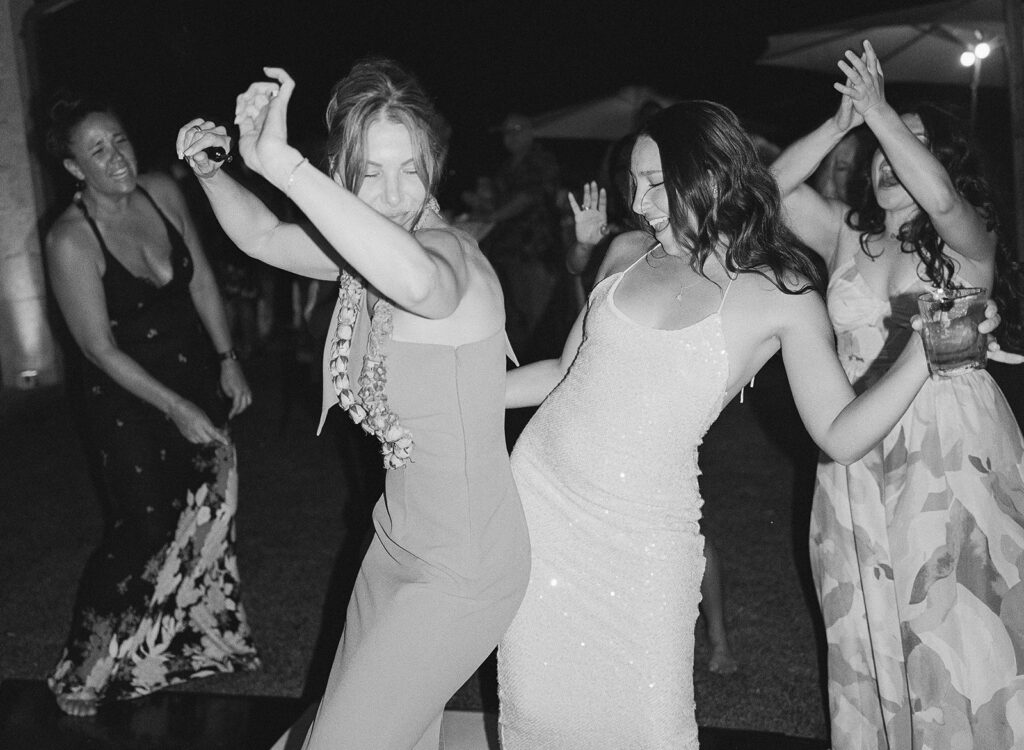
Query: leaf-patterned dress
x,y
158,602
918,553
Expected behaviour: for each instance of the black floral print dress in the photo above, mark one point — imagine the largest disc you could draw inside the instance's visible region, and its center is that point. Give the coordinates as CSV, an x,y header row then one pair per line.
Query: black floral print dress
x,y
158,602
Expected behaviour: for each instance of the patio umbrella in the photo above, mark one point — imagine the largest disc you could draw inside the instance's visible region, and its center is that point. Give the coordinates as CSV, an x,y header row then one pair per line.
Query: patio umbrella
x,y
925,44
922,43
606,119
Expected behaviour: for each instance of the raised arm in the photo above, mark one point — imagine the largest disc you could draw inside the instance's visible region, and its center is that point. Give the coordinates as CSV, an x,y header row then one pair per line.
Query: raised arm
x,y
812,217
423,273
957,221
591,226
251,226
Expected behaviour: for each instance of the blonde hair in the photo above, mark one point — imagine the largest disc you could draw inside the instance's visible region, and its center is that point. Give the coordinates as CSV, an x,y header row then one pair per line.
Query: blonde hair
x,y
376,89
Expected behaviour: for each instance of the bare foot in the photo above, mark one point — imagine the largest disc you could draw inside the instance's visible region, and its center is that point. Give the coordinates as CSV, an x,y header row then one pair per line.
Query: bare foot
x,y
82,703
722,661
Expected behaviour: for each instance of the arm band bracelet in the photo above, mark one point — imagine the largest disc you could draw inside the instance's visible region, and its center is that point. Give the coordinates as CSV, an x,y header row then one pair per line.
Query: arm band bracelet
x,y
229,354
291,176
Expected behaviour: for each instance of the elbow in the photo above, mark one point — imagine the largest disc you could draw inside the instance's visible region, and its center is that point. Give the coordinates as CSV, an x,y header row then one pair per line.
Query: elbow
x,y
943,201
99,355
944,206
844,459
846,455
427,295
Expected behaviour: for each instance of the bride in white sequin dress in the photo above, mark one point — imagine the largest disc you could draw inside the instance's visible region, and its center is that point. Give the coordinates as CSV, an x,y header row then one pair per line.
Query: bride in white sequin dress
x,y
600,654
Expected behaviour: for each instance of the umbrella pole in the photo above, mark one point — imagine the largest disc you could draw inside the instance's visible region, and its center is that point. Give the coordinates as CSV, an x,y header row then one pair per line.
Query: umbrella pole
x,y
1015,69
975,79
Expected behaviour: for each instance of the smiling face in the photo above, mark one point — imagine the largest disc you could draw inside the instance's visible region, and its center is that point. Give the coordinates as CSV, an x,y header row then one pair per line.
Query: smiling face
x,y
102,156
889,191
650,198
391,183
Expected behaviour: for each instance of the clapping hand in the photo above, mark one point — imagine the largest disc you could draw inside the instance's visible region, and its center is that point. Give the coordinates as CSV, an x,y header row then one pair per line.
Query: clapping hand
x,y
592,216
194,138
847,117
864,82
261,113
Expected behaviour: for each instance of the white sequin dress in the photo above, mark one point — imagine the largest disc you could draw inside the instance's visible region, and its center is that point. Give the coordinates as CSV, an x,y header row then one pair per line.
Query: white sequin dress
x,y
600,654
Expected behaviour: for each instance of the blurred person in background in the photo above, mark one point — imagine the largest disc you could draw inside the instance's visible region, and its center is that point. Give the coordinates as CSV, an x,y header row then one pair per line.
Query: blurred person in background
x,y
523,244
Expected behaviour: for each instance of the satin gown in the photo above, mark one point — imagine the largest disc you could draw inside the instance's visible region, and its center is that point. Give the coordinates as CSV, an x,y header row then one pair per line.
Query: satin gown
x,y
449,560
600,654
917,552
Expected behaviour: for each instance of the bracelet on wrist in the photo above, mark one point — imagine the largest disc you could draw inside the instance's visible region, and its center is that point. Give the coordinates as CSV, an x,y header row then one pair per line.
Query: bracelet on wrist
x,y
227,356
291,175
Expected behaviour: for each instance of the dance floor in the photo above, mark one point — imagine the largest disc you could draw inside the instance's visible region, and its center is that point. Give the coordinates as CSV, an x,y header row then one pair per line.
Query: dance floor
x,y
30,720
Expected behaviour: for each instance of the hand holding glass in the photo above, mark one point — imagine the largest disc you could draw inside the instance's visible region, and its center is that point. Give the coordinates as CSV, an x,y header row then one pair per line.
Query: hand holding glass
x,y
950,320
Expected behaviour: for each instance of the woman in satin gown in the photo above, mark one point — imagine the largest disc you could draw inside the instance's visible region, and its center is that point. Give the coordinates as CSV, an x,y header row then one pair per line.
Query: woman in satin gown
x,y
420,315
600,654
917,549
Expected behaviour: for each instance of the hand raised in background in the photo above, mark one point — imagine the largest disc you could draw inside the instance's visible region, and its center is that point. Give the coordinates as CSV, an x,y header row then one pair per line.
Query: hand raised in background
x,y
591,215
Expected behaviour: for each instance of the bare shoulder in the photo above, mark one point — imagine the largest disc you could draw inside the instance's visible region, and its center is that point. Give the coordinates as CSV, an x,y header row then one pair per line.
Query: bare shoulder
x,y
71,247
623,251
762,297
446,241
164,190
69,229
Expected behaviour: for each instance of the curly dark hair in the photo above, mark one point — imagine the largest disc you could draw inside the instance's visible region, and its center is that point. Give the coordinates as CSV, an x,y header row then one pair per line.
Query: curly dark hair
x,y
950,144
720,191
65,112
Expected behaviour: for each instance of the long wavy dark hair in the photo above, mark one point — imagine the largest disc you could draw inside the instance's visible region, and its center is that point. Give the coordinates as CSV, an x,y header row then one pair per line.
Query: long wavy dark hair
x,y
948,142
720,191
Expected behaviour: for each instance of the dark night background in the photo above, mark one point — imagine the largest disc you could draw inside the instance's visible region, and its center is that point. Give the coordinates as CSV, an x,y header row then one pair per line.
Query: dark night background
x,y
165,61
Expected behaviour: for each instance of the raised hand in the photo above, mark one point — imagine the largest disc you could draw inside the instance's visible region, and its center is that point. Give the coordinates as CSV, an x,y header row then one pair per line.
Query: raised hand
x,y
592,215
194,138
261,113
847,117
864,81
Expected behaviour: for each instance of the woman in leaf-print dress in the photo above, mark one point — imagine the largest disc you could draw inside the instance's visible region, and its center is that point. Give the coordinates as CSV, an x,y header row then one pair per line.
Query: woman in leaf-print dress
x,y
158,602
918,549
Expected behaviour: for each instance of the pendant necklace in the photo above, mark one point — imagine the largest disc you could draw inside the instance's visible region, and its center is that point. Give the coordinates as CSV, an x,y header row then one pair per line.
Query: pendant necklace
x,y
684,287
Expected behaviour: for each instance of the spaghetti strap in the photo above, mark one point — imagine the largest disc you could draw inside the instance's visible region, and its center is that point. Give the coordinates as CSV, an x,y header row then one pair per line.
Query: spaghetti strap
x,y
77,200
726,292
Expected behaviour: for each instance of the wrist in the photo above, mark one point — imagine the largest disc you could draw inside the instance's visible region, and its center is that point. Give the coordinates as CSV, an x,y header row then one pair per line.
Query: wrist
x,y
171,404
880,111
227,356
285,167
